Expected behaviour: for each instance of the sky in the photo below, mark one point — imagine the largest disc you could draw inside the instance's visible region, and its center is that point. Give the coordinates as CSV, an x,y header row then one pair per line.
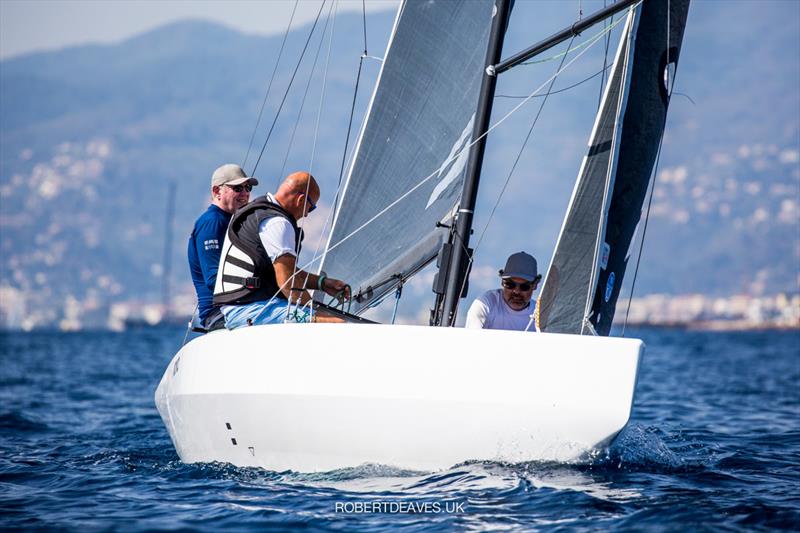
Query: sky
x,y
39,25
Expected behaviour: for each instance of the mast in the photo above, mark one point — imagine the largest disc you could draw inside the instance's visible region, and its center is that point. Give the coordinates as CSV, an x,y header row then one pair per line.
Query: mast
x,y
456,268
167,258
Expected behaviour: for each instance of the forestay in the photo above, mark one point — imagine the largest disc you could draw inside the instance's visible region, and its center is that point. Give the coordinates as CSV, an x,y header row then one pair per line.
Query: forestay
x,y
418,126
585,276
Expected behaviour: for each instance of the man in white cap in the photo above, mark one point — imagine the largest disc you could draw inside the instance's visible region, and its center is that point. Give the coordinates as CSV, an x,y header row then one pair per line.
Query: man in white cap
x,y
230,190
508,307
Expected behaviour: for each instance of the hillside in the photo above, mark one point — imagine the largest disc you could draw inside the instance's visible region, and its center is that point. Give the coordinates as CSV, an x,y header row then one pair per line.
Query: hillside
x,y
92,136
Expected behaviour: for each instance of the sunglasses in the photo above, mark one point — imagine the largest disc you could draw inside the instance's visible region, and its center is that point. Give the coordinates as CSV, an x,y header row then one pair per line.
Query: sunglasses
x,y
310,203
525,286
239,188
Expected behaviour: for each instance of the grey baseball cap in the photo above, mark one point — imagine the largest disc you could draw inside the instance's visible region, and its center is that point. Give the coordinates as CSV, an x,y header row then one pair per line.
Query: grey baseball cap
x,y
520,265
231,174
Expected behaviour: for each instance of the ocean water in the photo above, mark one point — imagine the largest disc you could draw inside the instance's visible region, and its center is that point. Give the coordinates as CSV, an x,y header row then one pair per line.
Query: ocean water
x,y
713,444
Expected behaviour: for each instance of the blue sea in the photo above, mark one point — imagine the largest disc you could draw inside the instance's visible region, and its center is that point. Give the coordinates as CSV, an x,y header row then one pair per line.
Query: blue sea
x,y
713,444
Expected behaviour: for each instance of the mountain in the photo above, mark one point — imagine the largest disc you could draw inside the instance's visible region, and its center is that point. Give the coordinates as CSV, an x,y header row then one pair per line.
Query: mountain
x,y
92,136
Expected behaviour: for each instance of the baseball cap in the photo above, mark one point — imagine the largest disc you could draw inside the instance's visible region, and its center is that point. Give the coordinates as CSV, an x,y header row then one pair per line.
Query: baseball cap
x,y
520,265
231,174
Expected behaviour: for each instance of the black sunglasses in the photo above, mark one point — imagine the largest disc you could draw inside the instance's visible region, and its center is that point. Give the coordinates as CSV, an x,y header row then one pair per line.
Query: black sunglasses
x,y
525,286
311,203
239,188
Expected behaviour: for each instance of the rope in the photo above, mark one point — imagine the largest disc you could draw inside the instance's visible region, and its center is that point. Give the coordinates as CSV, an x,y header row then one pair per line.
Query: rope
x,y
339,299
269,86
288,88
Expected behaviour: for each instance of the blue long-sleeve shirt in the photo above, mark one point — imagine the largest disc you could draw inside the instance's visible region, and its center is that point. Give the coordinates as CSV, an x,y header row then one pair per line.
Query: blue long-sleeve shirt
x,y
205,245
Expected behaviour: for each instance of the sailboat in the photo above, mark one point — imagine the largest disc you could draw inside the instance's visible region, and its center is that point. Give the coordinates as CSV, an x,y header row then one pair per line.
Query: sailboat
x,y
318,397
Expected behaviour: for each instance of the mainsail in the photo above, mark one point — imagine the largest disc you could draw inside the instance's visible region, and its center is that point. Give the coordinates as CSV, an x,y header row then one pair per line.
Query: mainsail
x,y
419,124
585,275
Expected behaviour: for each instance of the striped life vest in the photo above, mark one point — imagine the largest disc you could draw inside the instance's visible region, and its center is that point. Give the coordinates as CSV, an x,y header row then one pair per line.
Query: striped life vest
x,y
246,273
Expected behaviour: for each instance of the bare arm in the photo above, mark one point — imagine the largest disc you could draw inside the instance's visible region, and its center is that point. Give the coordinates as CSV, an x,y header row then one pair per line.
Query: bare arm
x,y
285,266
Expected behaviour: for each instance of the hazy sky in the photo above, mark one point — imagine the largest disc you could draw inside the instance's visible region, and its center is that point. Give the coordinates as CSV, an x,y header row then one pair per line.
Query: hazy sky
x,y
36,25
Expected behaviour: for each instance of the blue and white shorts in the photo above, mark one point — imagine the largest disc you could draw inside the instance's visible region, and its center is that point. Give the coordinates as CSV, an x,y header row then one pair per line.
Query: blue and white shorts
x,y
275,311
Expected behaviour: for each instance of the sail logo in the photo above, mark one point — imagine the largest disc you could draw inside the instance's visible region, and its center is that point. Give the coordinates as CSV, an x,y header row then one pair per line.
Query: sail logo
x,y
609,286
454,163
604,253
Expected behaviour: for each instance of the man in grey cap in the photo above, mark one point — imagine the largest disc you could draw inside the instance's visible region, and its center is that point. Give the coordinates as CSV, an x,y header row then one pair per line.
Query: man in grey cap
x,y
508,307
230,190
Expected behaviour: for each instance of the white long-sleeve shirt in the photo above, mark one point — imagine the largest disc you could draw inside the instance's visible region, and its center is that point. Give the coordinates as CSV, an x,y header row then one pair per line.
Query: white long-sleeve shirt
x,y
490,311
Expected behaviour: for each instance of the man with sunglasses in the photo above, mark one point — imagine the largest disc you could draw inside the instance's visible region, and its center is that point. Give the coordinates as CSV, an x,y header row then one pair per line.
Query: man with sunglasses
x,y
230,190
508,307
258,274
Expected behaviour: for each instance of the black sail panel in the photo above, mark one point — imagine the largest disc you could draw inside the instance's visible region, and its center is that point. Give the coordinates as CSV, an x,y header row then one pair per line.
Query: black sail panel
x,y
583,283
656,57
563,300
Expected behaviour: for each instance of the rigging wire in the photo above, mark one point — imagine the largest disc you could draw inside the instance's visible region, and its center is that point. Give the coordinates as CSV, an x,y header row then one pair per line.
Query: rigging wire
x,y
291,141
516,162
317,256
316,127
324,87
605,62
653,187
644,232
454,157
305,95
189,325
610,180
588,42
350,121
288,88
269,86
364,55
364,15
565,89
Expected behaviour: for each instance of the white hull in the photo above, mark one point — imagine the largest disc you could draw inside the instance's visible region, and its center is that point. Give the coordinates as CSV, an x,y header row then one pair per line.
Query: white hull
x,y
316,397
